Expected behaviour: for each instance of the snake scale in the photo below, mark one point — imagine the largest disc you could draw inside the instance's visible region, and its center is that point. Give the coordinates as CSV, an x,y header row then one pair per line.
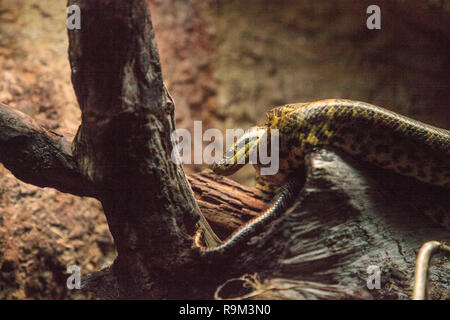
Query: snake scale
x,y
367,132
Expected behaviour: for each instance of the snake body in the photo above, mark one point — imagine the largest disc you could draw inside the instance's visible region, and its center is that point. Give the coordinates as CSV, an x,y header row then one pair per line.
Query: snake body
x,y
367,132
280,202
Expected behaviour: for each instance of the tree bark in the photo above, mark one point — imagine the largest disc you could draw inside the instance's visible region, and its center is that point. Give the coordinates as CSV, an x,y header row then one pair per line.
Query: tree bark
x,y
124,145
39,156
226,204
348,216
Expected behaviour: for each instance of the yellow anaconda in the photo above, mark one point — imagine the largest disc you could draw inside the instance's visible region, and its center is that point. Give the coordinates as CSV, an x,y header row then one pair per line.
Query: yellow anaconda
x,y
370,133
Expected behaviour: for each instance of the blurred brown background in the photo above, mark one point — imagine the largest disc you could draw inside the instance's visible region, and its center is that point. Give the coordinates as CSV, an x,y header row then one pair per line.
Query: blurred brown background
x,y
225,63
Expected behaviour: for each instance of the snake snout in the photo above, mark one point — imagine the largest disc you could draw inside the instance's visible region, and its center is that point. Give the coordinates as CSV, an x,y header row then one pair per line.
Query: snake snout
x,y
239,153
225,166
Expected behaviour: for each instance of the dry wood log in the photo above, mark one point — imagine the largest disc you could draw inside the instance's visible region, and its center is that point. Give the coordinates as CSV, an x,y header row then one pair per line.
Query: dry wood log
x,y
225,203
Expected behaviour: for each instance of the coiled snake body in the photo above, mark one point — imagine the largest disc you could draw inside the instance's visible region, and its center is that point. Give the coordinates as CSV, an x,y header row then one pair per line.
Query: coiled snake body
x,y
370,133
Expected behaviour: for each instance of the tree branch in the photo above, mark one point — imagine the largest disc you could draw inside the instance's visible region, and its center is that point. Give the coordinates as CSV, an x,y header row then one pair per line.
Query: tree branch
x,y
225,203
124,145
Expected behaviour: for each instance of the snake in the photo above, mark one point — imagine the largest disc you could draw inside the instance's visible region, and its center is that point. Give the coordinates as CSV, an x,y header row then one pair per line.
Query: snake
x,y
369,133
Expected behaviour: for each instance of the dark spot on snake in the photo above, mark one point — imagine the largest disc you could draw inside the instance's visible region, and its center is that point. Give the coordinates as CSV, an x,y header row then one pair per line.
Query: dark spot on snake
x,y
321,135
435,169
290,163
435,178
303,129
396,154
346,130
364,150
412,157
381,148
384,163
405,169
337,140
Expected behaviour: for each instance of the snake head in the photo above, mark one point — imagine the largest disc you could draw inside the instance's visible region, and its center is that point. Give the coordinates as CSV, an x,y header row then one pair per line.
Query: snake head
x,y
243,150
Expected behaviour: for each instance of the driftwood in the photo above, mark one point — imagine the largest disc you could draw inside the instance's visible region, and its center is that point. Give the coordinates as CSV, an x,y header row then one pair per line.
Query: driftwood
x,y
348,216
